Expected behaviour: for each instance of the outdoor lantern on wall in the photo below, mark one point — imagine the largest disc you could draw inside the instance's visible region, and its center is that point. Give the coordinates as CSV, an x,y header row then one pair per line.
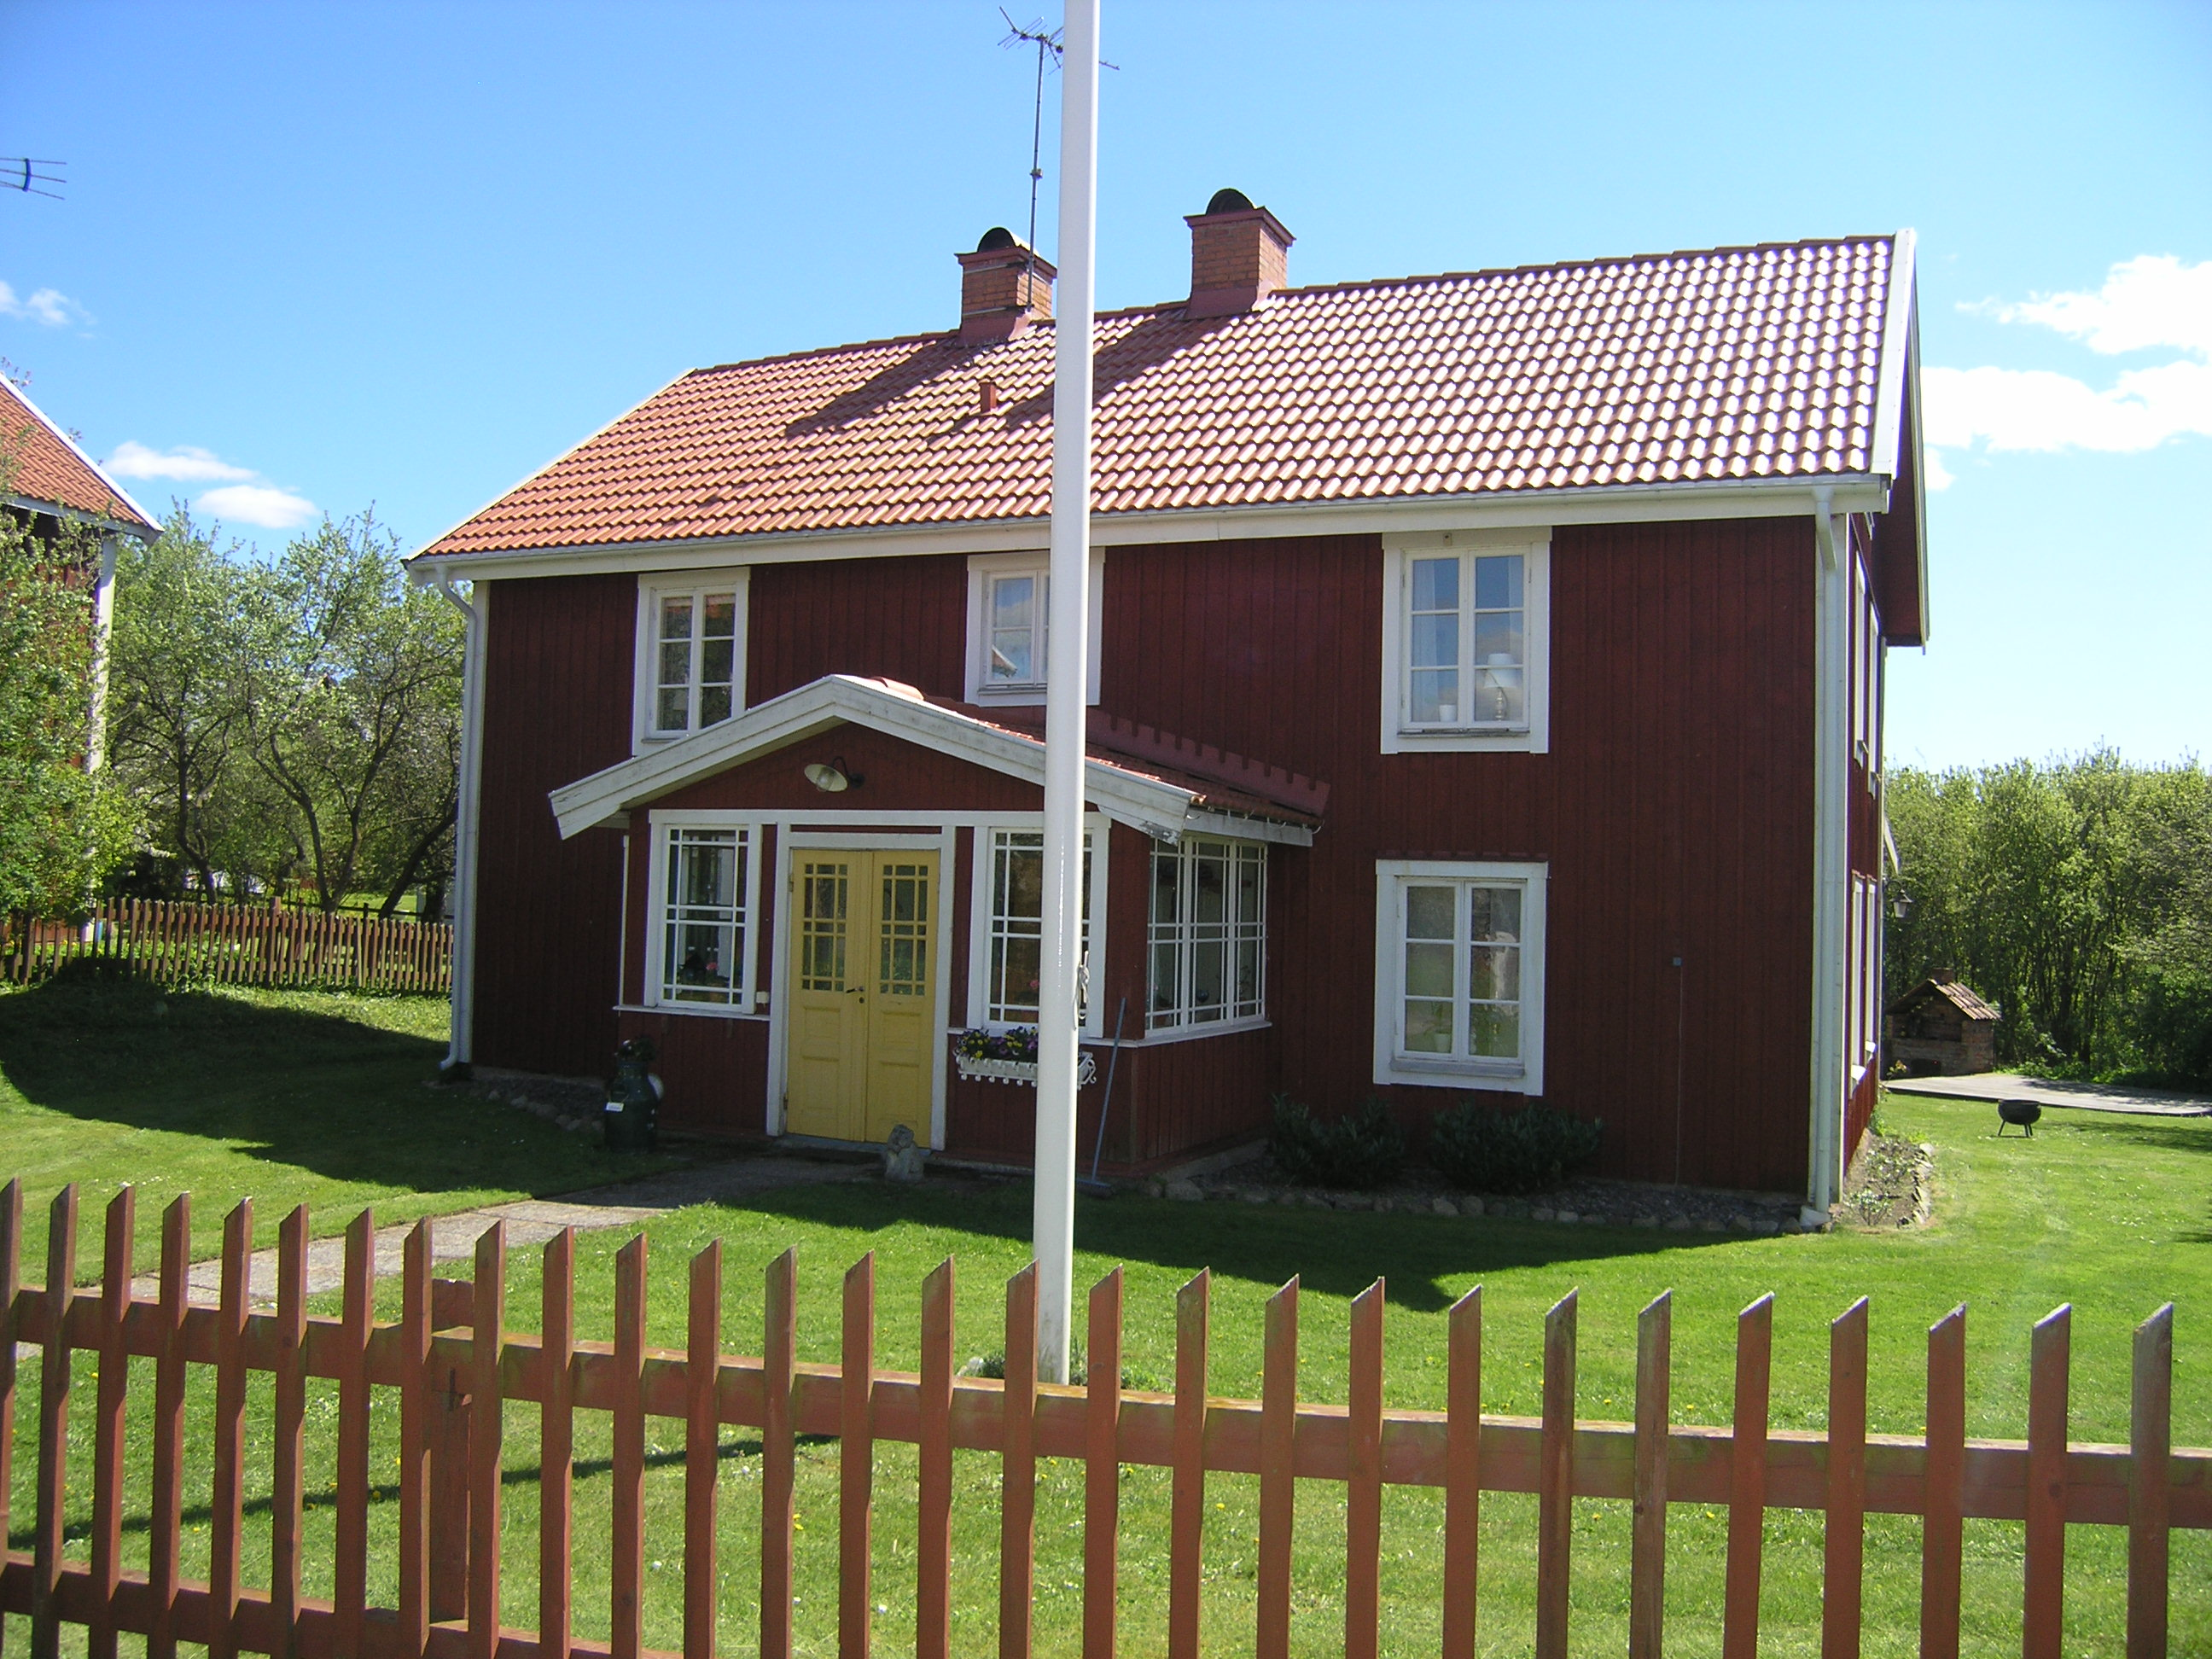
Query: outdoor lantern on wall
x,y
830,776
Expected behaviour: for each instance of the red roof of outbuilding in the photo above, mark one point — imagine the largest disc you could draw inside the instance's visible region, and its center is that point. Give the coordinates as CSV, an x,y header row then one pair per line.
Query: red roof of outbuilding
x,y
51,471
1731,364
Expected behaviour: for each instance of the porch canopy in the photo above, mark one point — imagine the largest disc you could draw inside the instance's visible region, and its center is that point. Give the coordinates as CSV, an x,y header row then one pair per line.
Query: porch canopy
x,y
1160,784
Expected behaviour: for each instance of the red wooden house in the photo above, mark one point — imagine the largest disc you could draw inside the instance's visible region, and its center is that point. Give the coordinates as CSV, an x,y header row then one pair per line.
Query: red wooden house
x,y
1487,702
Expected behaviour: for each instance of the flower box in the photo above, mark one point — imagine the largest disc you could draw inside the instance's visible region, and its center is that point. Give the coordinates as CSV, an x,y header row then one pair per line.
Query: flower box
x,y
1019,1070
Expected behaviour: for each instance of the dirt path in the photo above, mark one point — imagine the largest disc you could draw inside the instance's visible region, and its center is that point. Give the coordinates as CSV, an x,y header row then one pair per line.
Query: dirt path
x,y
530,1221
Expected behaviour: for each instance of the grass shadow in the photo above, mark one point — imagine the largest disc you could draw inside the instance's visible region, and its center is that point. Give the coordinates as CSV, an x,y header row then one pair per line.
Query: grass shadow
x,y
1420,1256
329,1086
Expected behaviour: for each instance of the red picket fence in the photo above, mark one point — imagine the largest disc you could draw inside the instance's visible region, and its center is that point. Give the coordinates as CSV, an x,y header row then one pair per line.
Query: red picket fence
x,y
454,1363
241,945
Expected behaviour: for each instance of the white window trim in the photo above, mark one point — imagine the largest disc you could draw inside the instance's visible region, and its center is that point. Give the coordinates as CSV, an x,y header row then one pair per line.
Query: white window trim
x,y
644,668
1096,825
1526,1077
1231,1022
981,566
1535,547
656,919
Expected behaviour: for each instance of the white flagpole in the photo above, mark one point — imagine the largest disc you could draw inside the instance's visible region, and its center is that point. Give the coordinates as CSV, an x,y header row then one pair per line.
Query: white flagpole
x,y
1067,672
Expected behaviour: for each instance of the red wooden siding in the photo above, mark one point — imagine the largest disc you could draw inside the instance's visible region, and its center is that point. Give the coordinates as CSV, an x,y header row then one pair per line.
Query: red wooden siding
x,y
1673,809
556,707
1673,812
906,619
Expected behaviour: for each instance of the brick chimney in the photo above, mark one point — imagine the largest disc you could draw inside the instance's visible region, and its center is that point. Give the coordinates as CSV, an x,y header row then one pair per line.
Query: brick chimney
x,y
1003,288
1239,255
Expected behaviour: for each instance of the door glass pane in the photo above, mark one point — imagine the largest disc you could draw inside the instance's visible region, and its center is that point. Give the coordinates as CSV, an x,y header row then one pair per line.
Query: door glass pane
x,y
822,893
903,958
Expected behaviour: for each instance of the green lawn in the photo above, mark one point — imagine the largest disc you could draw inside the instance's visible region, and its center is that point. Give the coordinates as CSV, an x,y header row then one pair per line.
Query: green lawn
x,y
286,1096
2111,1213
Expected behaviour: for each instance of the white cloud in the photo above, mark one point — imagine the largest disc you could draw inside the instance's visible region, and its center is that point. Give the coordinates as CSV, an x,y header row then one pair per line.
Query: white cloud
x,y
49,306
185,463
2152,300
264,505
2152,303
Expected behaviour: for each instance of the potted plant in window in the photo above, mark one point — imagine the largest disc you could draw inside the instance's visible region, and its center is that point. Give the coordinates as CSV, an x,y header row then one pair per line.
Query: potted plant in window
x,y
1008,1056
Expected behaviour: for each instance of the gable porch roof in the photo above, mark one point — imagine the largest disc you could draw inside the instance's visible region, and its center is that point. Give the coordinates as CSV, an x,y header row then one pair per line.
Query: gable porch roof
x,y
1155,783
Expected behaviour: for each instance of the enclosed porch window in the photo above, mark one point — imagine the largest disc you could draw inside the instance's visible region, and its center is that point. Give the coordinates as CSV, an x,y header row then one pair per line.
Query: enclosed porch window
x,y
1208,932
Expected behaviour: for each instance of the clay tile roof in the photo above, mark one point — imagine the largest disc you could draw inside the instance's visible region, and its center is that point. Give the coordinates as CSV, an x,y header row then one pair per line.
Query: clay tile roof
x,y
51,471
1725,365
1222,781
1964,1001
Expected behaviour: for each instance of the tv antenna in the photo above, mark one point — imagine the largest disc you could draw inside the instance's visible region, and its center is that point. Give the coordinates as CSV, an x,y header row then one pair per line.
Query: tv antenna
x,y
1048,44
20,172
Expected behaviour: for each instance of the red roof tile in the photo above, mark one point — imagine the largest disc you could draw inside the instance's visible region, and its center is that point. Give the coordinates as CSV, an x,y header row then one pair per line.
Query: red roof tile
x,y
1683,367
52,470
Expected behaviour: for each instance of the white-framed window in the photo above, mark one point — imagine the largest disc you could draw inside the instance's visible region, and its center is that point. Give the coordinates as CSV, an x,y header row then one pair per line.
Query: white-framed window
x,y
1207,937
1466,641
690,671
704,886
1459,974
1007,934
1862,1039
1009,643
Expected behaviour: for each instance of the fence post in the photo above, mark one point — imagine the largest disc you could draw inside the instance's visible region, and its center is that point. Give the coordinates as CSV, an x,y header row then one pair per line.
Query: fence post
x,y
11,1278
107,1423
1363,1496
1017,1470
1844,1534
556,1444
288,1485
2150,1435
487,1431
1278,1427
703,1372
629,1574
226,1511
1555,1475
166,1514
1746,1522
416,1404
1186,1520
856,1455
1942,1535
54,1425
779,1378
1647,1581
933,1587
1462,1473
349,1573
2044,1598
449,1485
1102,1470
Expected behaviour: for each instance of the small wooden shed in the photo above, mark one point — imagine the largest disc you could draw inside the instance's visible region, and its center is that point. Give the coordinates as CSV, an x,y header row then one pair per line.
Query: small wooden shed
x,y
1940,1028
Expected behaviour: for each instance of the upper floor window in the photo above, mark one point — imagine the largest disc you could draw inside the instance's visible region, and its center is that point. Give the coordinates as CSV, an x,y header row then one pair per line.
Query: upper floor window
x,y
1009,625
690,652
1466,626
1459,974
1208,935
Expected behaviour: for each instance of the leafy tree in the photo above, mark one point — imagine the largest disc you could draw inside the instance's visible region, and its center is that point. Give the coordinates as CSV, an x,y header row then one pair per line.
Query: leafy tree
x,y
62,829
2075,895
353,677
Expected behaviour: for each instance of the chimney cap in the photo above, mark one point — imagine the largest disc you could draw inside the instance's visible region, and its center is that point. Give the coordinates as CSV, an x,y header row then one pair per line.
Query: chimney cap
x,y
997,239
1227,200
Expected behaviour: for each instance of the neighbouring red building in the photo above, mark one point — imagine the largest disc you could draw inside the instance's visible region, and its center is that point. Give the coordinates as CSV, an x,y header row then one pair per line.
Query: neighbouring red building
x,y
1487,703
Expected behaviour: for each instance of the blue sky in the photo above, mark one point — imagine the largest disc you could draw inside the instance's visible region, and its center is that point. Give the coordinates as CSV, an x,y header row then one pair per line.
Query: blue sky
x,y
313,257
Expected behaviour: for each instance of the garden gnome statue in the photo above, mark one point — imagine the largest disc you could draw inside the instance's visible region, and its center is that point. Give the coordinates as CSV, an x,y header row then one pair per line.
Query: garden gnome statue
x,y
902,1159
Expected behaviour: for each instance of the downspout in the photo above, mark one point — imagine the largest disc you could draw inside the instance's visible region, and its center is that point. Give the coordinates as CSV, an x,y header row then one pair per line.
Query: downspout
x,y
466,820
103,625
1831,854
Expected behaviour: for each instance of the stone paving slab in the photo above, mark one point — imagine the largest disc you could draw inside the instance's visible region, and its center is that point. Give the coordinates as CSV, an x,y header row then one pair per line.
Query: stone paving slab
x,y
530,1222
2045,1091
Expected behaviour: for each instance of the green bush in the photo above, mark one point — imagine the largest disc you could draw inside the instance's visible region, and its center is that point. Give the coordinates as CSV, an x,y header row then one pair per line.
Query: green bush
x,y
1365,1148
1488,1150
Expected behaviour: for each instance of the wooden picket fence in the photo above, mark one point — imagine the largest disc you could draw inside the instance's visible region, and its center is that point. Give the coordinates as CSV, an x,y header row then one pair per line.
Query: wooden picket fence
x,y
453,1364
241,945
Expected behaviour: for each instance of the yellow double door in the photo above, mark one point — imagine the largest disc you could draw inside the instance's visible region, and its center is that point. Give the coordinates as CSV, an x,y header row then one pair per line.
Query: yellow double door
x,y
862,1049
